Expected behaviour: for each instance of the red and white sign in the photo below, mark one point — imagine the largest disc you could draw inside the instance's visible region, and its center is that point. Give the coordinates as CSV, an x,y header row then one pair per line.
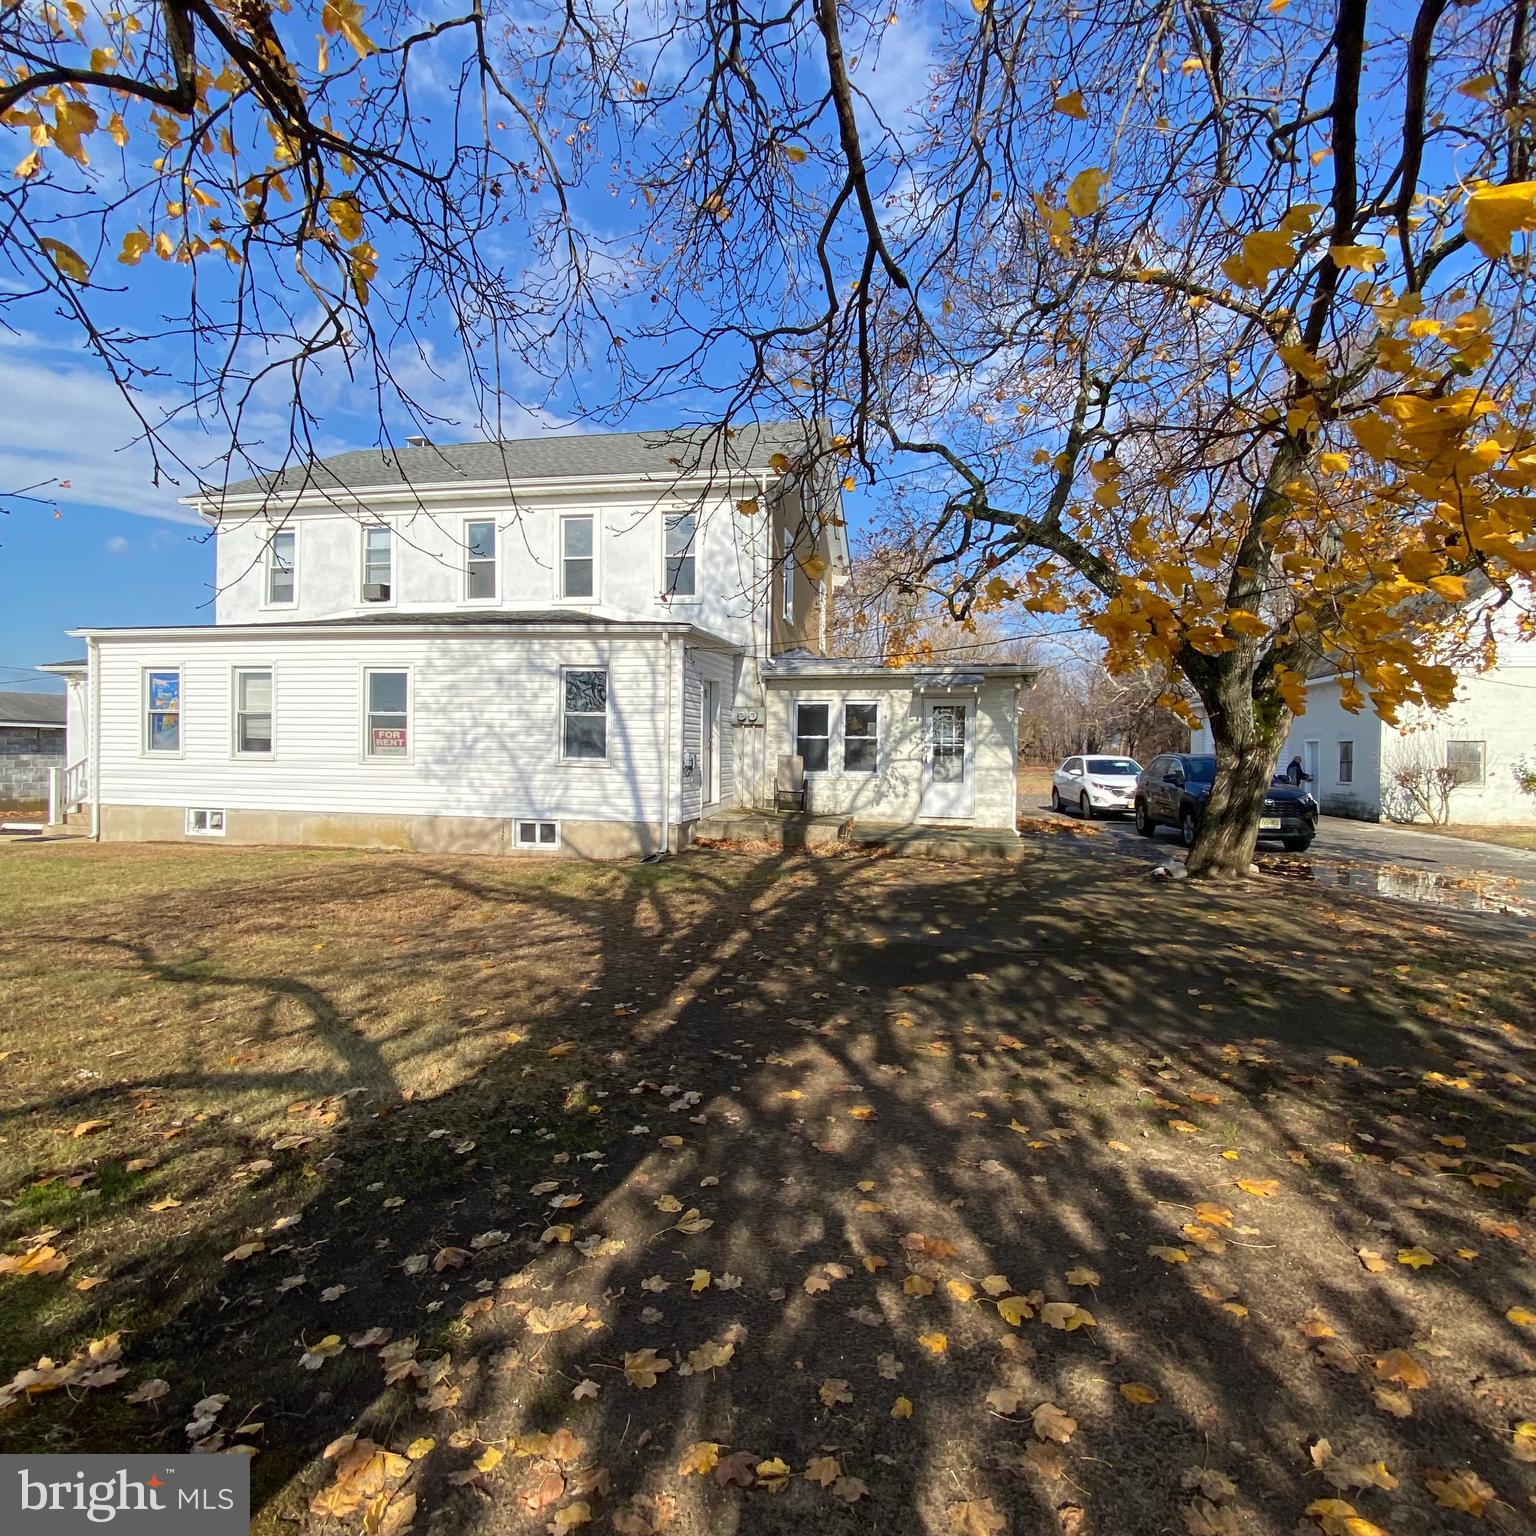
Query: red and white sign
x,y
389,738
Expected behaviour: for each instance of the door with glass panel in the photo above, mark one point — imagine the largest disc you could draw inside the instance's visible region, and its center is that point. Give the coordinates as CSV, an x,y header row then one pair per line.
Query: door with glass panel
x,y
947,777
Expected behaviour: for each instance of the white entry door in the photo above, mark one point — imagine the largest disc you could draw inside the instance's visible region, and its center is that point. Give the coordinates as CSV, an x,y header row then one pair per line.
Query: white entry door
x,y
948,788
711,713
1310,751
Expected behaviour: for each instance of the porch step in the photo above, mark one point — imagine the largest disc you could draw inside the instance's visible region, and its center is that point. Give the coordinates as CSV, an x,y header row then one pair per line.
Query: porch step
x,y
792,831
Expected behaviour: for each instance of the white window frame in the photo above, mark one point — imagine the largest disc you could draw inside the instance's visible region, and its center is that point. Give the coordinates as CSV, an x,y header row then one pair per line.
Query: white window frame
x,y
388,759
163,753
519,822
235,674
207,829
290,530
691,556
795,733
362,562
1482,757
597,560
596,762
842,756
787,576
495,597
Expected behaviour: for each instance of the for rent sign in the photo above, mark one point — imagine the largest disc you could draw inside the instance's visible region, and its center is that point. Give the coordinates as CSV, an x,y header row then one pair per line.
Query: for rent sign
x,y
388,739
131,1495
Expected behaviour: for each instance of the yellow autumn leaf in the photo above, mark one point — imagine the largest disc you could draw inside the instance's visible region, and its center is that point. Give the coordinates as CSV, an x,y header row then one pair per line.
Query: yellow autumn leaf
x,y
1415,1258
1138,1392
1521,1317
1399,1366
135,243
1263,1189
346,216
28,165
643,1366
1357,258
1082,1276
901,1408
937,1343
1014,1310
1070,105
1083,193
699,1459
1494,215
1067,1316
65,258
1168,1255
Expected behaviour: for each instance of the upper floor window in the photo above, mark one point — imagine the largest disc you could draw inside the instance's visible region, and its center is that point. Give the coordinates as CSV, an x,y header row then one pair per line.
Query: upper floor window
x,y
578,557
253,711
584,713
680,574
787,539
162,710
388,721
378,565
282,573
480,560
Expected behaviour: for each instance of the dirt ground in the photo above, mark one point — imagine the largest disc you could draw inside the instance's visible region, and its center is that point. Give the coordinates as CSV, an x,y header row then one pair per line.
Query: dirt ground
x,y
769,1194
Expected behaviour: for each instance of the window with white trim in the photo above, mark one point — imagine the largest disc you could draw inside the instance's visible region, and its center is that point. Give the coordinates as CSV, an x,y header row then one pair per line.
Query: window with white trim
x,y
787,540
680,575
162,710
378,564
538,834
1465,761
480,560
205,823
578,556
388,703
584,714
813,725
861,737
282,568
253,711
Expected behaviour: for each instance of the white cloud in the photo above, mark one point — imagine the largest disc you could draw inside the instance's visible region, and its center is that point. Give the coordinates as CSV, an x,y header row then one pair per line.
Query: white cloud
x,y
117,545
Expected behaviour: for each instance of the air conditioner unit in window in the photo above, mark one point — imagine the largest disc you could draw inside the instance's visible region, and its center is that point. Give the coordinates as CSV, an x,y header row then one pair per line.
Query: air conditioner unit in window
x,y
376,592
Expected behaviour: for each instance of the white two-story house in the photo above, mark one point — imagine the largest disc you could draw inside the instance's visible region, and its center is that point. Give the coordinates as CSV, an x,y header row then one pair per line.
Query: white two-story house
x,y
577,644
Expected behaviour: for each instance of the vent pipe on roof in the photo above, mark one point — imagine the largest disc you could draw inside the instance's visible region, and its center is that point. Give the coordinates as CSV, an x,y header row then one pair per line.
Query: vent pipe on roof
x,y
418,440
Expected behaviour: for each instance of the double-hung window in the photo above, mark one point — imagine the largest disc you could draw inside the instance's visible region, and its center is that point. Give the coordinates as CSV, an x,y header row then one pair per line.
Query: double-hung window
x,y
480,560
787,576
861,737
253,711
681,564
1464,759
584,714
388,705
813,725
578,557
162,710
378,565
282,568
1346,762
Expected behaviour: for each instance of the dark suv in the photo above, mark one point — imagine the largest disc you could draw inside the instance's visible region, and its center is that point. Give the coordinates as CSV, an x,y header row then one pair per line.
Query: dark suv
x,y
1173,789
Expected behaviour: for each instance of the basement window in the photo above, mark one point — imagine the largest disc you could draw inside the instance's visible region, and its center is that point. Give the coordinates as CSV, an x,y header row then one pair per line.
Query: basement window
x,y
205,823
538,834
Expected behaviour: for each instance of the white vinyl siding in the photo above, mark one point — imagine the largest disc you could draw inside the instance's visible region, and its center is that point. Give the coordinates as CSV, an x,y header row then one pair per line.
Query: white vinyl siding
x,y
700,667
483,732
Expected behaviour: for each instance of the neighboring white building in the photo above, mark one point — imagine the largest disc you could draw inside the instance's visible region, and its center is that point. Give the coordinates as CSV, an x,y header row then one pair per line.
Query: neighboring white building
x,y
1480,743
575,643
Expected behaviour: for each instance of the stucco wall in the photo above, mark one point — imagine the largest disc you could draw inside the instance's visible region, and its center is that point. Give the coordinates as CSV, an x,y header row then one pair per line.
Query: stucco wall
x,y
893,793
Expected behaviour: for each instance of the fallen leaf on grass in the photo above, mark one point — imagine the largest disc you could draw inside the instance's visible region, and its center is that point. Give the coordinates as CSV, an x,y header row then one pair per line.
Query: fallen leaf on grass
x,y
317,1354
643,1366
1523,1444
1138,1392
1053,1423
41,1260
1339,1519
901,1408
567,1519
834,1391
773,1474
936,1342
824,1471
1067,1316
556,1317
699,1460
1415,1258
1521,1317
149,1391
1399,1366
1263,1189
1372,1261
1082,1276
975,1517
1464,1490
1168,1255
243,1252
737,1469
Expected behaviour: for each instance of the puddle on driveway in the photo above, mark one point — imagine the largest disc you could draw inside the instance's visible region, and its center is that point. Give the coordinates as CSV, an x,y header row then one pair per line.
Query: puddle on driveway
x,y
1433,888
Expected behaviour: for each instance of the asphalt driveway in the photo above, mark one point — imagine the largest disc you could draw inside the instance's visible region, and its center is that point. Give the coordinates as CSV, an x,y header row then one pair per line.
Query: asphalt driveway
x,y
1389,861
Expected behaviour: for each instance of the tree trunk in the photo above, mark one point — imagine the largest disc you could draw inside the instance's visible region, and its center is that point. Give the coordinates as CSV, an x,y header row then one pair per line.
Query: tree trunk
x,y
1246,734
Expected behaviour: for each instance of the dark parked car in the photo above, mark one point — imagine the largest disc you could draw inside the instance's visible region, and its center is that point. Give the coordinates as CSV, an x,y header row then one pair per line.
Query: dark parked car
x,y
1173,789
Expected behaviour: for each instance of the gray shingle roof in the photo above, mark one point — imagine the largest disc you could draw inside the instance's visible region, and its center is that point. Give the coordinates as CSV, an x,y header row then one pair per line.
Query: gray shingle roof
x,y
32,709
662,455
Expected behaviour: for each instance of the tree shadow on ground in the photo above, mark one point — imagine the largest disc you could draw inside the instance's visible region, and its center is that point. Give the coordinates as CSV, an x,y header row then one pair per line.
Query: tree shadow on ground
x,y
885,1087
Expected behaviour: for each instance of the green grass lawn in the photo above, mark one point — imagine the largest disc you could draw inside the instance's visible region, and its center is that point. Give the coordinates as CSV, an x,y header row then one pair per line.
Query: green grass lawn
x,y
599,1194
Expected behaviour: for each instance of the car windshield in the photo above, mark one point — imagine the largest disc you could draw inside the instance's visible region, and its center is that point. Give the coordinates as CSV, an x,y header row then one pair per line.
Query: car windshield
x,y
1114,767
1200,770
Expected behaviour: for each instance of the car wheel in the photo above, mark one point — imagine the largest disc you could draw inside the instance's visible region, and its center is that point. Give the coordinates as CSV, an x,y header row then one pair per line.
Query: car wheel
x,y
1085,806
1055,799
1144,823
1187,828
1296,844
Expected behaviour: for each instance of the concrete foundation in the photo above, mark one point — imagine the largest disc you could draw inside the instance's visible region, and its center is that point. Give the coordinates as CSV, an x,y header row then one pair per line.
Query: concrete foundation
x,y
417,834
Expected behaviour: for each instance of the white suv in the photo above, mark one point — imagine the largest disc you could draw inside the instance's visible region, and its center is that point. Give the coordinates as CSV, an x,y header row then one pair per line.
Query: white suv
x,y
1095,786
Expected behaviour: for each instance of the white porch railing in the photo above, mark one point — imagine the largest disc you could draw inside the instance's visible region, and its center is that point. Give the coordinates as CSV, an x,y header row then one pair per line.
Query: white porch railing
x,y
67,788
